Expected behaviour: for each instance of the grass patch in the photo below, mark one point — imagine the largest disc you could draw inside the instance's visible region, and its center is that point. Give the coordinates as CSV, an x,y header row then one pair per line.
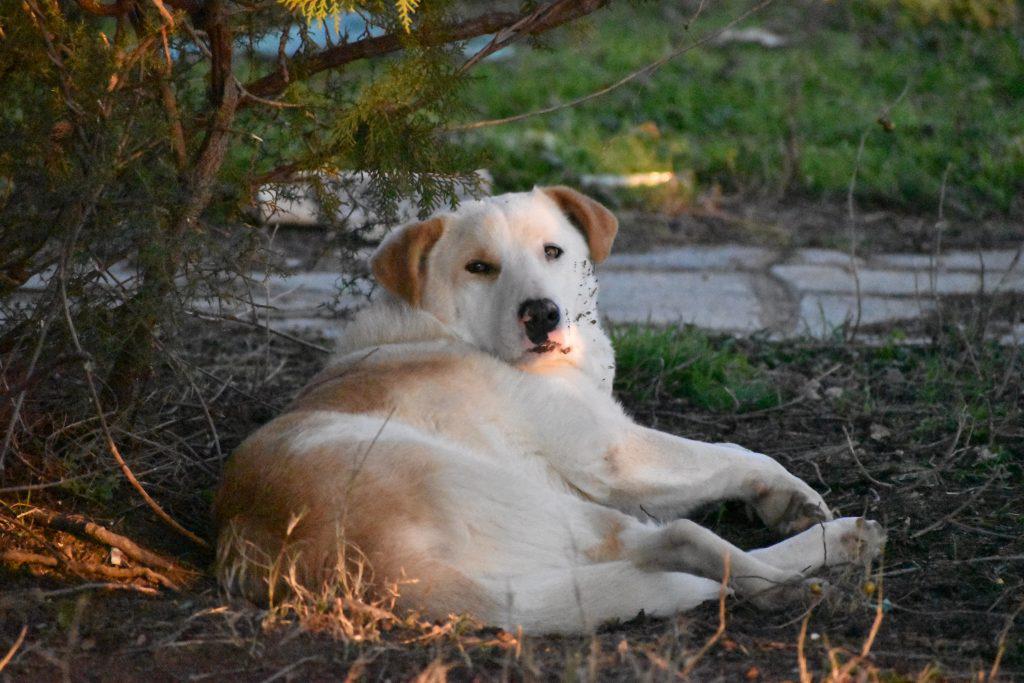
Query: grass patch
x,y
684,364
747,118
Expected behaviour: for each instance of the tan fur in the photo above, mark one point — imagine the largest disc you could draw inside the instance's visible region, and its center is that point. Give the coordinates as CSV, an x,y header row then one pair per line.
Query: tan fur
x,y
598,224
611,546
368,389
400,266
279,508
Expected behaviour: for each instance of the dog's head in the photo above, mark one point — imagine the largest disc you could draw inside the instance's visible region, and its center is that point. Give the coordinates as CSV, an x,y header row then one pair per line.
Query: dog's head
x,y
512,275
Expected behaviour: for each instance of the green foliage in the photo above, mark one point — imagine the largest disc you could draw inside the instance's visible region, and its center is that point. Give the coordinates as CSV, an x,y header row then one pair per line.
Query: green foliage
x,y
684,363
982,14
731,113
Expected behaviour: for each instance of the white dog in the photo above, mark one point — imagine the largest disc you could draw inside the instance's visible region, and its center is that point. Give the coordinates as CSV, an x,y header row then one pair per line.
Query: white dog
x,y
465,440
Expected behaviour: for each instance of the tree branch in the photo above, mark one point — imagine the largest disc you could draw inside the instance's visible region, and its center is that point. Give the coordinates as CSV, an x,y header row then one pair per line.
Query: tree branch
x,y
551,16
100,10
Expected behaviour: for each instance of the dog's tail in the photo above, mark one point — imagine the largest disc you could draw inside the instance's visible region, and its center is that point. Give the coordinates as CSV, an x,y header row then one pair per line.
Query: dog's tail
x,y
579,599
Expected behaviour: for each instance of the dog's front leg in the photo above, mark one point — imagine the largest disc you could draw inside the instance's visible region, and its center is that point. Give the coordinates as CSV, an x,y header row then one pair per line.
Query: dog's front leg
x,y
671,476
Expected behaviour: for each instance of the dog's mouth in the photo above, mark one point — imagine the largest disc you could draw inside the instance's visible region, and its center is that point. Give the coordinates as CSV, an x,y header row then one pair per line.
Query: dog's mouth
x,y
549,346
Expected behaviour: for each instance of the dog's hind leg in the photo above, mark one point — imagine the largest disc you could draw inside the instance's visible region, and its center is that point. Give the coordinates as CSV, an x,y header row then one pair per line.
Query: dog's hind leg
x,y
581,598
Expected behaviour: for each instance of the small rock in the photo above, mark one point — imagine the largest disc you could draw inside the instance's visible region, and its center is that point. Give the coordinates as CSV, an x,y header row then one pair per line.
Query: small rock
x,y
985,454
834,392
880,432
88,644
893,376
810,390
116,557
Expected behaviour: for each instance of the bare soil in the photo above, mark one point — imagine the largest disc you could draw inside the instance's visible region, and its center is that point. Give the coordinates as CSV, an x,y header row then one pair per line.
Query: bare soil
x,y
946,595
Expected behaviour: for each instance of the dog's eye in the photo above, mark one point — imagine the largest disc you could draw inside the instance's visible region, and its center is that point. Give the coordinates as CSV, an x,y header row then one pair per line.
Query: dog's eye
x,y
481,268
552,251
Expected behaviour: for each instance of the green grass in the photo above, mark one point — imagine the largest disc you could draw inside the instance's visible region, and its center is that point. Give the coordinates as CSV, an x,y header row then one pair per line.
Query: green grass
x,y
685,364
729,112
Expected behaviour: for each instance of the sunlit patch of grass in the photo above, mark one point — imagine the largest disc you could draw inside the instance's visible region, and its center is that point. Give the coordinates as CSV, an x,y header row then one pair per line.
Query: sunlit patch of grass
x,y
755,119
684,363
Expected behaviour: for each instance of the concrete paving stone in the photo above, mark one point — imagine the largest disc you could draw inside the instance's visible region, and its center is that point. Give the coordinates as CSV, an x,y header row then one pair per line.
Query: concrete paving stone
x,y
823,257
820,314
911,283
717,301
729,257
953,260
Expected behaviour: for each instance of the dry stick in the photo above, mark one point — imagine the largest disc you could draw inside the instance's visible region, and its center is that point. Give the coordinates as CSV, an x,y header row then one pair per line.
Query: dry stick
x,y
14,648
860,465
9,435
18,557
81,527
844,673
722,592
853,235
202,315
994,671
642,71
805,676
850,208
111,445
960,508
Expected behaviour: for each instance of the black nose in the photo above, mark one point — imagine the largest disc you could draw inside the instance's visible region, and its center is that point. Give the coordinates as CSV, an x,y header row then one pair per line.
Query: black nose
x,y
540,316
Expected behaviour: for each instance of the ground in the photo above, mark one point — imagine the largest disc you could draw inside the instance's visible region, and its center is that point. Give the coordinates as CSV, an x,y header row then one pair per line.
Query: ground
x,y
928,441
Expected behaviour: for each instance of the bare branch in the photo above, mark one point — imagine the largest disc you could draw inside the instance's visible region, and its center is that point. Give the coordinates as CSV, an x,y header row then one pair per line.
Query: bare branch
x,y
555,14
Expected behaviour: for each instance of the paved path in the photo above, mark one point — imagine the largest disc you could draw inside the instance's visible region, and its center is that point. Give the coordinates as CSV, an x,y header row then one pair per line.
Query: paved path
x,y
739,289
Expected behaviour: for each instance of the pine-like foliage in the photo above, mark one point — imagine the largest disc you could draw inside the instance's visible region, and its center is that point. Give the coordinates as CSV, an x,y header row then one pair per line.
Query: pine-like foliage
x,y
133,138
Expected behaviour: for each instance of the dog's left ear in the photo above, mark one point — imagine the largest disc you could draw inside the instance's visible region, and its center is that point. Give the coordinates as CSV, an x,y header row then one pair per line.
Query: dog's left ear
x,y
400,262
593,219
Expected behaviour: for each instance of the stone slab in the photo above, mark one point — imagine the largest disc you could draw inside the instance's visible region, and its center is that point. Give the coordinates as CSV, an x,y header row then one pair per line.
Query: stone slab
x,y
717,301
1001,259
910,283
821,314
693,258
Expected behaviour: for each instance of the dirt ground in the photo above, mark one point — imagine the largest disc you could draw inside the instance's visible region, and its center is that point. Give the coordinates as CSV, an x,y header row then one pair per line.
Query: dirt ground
x,y
929,441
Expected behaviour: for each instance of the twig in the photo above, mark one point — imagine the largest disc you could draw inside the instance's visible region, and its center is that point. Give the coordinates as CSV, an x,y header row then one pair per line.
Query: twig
x,y
19,557
801,658
860,465
722,592
844,673
248,323
291,667
994,671
16,411
96,532
111,445
642,71
14,648
960,508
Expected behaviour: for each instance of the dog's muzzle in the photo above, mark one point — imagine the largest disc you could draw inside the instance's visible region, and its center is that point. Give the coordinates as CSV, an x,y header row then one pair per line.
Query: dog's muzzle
x,y
539,317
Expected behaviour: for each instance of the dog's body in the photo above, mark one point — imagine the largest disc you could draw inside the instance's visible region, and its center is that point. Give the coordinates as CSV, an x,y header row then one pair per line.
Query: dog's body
x,y
466,442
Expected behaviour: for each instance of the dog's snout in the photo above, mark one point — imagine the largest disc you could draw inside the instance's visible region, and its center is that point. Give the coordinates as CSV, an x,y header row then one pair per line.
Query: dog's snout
x,y
540,316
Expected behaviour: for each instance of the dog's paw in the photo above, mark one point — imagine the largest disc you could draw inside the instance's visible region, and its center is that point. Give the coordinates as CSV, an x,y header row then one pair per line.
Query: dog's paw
x,y
855,540
788,505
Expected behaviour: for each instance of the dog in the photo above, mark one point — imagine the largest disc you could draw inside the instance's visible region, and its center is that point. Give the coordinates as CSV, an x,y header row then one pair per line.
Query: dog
x,y
466,442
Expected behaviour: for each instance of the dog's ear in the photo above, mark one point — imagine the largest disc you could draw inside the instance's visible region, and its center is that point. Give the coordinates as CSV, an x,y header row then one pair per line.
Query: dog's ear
x,y
592,218
400,262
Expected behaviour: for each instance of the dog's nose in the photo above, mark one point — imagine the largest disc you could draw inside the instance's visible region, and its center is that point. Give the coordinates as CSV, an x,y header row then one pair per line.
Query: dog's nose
x,y
540,316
